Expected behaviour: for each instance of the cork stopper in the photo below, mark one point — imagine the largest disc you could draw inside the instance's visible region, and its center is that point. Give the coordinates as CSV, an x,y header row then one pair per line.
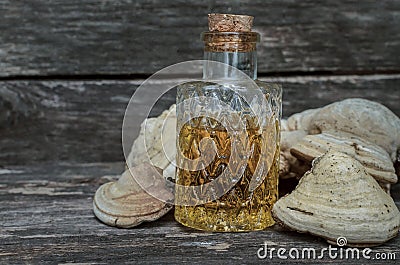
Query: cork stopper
x,y
229,23
230,33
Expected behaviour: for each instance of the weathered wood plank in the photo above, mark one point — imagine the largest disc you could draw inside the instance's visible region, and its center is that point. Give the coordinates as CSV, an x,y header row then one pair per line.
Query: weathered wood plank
x,y
46,217
129,37
81,120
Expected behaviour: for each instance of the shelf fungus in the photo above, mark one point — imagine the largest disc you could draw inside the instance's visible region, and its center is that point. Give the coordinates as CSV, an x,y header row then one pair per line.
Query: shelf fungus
x,y
362,118
374,158
290,166
156,143
363,129
127,202
338,198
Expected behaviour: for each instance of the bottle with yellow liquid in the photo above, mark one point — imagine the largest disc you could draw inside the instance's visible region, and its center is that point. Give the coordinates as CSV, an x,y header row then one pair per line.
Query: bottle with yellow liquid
x,y
228,127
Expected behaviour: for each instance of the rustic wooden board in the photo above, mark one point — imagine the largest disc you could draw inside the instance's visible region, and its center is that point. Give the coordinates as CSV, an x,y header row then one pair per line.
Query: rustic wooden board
x,y
81,120
46,217
120,37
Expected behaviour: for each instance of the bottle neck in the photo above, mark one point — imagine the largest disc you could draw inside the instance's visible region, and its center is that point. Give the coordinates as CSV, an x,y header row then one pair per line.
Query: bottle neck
x,y
244,61
236,49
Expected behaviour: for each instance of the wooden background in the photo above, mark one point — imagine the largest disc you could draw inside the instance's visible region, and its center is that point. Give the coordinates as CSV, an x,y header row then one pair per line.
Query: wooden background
x,y
69,68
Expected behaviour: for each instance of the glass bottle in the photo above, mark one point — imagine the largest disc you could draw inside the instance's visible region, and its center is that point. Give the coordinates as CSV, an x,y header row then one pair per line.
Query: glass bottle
x,y
228,127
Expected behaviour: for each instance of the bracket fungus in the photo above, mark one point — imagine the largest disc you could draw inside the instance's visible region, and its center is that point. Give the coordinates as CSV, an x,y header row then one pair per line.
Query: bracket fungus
x,y
156,143
363,118
289,165
336,198
365,130
126,203
374,158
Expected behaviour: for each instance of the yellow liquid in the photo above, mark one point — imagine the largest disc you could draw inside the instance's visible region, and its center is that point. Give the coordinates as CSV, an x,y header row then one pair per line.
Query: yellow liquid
x,y
241,208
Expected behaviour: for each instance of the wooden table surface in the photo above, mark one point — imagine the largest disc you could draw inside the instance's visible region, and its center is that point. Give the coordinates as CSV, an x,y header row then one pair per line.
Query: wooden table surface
x,y
69,68
46,217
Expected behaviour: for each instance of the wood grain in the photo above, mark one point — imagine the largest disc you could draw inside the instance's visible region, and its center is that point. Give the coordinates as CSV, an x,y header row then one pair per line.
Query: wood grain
x,y
46,218
61,108
122,37
81,120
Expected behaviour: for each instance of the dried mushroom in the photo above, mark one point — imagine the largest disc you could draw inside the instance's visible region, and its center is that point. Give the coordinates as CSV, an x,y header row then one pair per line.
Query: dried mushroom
x,y
289,166
126,204
366,119
300,121
338,198
366,130
375,159
149,147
